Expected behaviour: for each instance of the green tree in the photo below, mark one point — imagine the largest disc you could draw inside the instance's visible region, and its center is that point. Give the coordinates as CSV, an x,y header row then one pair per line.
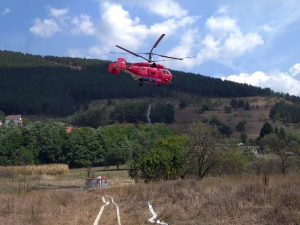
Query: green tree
x,y
117,146
223,128
211,153
231,161
266,129
2,116
243,138
162,113
249,154
234,103
10,141
183,103
163,162
82,148
109,102
50,143
279,144
247,106
205,150
241,103
240,127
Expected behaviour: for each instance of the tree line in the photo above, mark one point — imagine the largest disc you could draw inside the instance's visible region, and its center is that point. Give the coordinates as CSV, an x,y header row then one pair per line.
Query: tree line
x,y
285,112
152,152
126,112
204,151
46,143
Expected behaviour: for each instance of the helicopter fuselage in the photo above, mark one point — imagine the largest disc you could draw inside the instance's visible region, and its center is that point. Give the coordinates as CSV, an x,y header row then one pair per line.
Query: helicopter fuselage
x,y
142,71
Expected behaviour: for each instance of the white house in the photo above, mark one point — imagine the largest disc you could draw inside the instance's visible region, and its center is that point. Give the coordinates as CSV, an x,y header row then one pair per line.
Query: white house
x,y
16,118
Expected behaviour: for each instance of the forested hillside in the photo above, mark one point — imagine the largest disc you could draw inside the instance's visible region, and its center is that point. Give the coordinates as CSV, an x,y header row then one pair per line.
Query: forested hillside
x,y
58,86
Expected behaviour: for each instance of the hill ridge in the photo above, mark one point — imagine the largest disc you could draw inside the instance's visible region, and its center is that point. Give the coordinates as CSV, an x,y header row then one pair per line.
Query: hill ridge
x,y
51,85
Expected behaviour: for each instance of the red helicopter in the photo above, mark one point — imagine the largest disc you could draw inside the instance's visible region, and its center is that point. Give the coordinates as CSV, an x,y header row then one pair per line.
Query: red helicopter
x,y
149,71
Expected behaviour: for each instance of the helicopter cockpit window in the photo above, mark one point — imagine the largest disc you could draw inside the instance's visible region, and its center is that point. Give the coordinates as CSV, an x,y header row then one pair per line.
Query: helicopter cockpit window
x,y
166,72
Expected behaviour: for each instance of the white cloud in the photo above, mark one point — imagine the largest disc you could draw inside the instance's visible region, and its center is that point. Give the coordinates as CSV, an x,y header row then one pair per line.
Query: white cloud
x,y
171,26
223,9
48,27
225,42
45,28
5,11
184,49
60,15
221,25
267,28
276,80
83,25
96,51
57,13
295,70
165,8
118,27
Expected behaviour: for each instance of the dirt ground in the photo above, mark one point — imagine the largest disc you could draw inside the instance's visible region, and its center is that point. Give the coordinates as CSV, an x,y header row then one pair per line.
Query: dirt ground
x,y
64,200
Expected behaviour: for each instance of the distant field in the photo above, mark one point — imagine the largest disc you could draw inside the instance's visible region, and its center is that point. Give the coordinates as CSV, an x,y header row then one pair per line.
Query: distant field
x,y
256,117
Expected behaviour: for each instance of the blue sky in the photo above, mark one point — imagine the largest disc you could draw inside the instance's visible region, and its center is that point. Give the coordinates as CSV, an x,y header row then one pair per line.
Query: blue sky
x,y
255,42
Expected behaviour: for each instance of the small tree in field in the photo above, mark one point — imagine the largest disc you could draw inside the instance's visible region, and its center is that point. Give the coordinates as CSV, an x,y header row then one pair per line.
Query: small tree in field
x,y
247,106
204,151
163,162
279,144
183,103
211,153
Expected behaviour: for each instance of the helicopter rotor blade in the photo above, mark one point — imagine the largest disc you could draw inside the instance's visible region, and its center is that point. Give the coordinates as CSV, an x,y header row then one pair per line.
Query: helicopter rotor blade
x,y
157,42
119,53
124,49
169,57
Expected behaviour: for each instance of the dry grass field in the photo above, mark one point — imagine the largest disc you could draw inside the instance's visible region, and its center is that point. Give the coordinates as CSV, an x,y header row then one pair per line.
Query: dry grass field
x,y
216,200
255,118
236,200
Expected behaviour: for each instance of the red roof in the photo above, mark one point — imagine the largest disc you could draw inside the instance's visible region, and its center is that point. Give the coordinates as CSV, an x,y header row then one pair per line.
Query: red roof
x,y
102,178
69,129
13,117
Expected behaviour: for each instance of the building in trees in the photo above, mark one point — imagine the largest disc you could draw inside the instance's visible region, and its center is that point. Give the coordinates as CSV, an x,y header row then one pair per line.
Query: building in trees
x,y
17,119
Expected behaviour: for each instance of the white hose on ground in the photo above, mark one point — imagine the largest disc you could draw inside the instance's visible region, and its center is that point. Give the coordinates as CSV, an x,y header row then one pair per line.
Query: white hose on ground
x,y
117,207
101,211
154,215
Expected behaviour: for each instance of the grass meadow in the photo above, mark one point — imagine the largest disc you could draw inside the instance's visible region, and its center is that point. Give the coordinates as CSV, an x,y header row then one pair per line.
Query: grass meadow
x,y
213,200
